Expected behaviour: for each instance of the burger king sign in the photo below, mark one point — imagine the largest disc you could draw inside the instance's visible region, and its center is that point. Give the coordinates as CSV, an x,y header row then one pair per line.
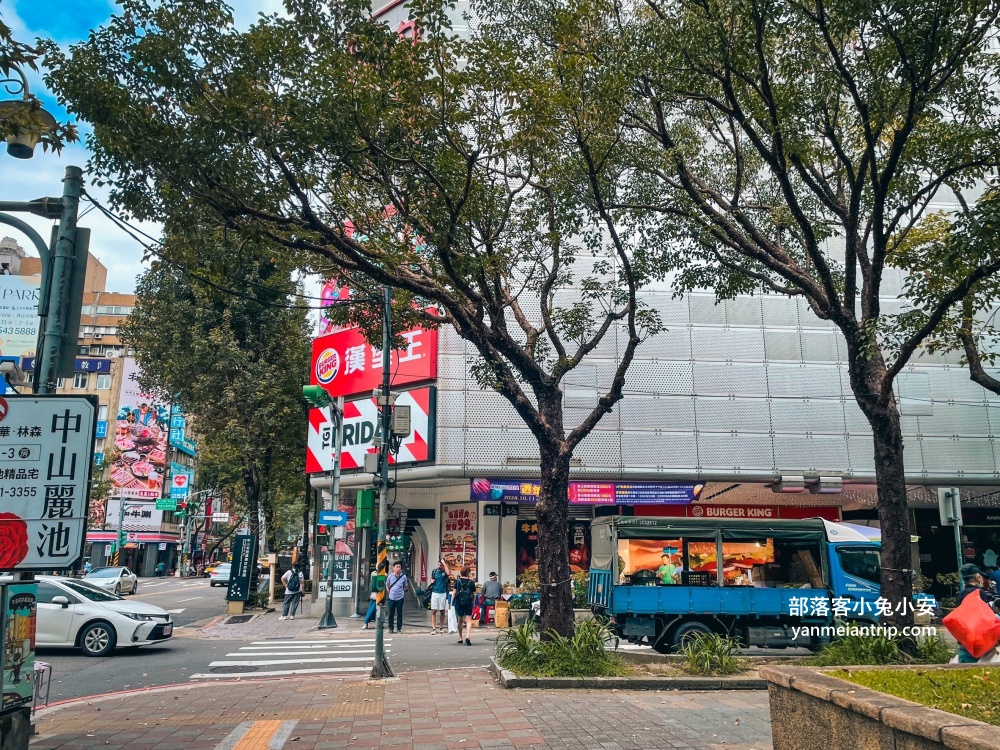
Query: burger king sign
x,y
327,366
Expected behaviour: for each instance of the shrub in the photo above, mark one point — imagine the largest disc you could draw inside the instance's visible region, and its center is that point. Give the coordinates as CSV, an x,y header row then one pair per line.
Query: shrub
x,y
933,650
529,582
880,649
581,584
585,654
712,654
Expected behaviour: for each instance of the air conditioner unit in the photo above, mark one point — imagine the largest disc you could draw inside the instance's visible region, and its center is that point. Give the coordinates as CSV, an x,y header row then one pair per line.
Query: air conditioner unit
x,y
98,335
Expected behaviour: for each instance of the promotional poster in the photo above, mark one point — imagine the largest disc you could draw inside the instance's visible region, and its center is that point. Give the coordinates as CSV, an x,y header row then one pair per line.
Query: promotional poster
x,y
460,535
527,545
140,447
18,314
19,611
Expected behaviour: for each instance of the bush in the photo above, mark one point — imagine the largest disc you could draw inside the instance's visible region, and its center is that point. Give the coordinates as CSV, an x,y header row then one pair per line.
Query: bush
x,y
258,600
529,582
880,649
581,584
585,654
712,654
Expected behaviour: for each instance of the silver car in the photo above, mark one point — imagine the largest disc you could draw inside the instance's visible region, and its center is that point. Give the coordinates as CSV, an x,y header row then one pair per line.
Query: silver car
x,y
118,580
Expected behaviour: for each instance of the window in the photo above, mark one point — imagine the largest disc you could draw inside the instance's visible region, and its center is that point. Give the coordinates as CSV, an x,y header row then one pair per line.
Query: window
x,y
47,590
29,377
81,379
60,382
102,412
103,382
864,563
84,350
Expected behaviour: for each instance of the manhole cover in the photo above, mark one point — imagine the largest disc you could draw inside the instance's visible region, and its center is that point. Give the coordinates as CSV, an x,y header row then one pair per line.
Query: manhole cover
x,y
237,619
234,668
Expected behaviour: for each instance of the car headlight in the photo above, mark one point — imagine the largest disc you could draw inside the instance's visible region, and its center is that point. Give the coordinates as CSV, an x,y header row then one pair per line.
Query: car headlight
x,y
135,616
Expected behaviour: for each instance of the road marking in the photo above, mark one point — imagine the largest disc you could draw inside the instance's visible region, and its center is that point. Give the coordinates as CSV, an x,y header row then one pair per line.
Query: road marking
x,y
176,611
277,673
271,662
368,653
190,599
278,642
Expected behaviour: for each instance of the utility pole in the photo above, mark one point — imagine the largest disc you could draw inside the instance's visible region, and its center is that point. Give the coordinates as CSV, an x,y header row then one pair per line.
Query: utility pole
x,y
120,542
328,620
382,668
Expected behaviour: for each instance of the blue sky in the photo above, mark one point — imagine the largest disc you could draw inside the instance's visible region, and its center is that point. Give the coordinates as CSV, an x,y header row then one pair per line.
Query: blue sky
x,y
66,22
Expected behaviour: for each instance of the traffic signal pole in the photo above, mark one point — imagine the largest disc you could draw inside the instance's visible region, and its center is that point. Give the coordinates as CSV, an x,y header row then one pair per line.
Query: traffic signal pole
x,y
328,620
382,668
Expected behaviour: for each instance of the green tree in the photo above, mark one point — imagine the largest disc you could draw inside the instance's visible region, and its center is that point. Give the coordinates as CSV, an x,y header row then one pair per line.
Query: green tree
x,y
387,162
790,148
229,341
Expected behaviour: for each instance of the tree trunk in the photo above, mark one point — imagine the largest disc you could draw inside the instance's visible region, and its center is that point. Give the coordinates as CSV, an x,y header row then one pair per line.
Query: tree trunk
x,y
251,485
867,379
552,512
266,506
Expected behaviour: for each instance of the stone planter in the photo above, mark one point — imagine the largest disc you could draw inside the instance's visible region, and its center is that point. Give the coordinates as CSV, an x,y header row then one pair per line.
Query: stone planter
x,y
810,709
520,616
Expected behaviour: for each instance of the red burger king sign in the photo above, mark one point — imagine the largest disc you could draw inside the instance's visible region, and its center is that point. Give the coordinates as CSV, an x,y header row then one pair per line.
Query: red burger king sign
x,y
327,366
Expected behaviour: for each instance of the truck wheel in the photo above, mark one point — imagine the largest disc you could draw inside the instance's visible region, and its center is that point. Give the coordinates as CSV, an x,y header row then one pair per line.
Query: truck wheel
x,y
687,630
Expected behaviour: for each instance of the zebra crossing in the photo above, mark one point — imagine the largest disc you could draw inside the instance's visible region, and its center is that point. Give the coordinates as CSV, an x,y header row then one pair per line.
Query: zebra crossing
x,y
280,658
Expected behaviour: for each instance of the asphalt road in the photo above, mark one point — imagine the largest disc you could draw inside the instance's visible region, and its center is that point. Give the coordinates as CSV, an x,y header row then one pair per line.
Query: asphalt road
x,y
188,600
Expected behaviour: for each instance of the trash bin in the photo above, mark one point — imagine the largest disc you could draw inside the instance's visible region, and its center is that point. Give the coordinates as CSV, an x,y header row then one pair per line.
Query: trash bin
x,y
501,614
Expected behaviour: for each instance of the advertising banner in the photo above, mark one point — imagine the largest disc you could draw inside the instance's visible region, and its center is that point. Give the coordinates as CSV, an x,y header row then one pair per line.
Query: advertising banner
x,y
18,314
346,365
589,493
526,538
829,512
46,455
140,447
343,553
19,612
140,515
244,563
460,535
362,425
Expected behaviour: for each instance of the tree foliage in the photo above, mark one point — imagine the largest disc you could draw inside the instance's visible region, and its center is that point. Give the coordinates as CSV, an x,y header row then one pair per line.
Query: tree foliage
x,y
425,166
225,341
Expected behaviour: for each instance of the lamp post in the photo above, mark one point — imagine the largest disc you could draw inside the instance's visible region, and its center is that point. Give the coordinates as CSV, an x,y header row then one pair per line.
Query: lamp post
x,y
382,668
20,113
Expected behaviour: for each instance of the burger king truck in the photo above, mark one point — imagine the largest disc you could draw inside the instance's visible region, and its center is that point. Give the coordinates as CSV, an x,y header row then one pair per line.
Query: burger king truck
x,y
781,583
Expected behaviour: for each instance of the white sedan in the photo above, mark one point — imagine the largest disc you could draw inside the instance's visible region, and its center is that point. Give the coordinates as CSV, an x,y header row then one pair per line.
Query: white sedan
x,y
220,576
118,580
75,613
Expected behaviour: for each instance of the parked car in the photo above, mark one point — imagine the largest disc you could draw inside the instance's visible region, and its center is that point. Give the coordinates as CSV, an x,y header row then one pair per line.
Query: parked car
x,y
210,568
116,579
77,614
220,576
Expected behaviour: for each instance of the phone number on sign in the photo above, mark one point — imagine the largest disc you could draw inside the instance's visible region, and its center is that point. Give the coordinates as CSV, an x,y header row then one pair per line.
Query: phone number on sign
x,y
18,491
19,331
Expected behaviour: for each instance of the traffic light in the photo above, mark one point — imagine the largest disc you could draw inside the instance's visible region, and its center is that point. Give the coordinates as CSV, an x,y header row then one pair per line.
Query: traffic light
x,y
322,535
365,514
316,395
182,509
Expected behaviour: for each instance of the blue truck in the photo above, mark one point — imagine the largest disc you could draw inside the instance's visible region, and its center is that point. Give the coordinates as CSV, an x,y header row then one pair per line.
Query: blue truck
x,y
659,581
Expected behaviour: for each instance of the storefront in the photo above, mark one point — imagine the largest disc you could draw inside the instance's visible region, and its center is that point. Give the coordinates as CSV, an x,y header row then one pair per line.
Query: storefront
x,y
141,553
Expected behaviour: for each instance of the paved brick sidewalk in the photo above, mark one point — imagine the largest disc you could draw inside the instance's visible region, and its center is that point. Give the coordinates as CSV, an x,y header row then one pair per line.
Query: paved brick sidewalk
x,y
440,710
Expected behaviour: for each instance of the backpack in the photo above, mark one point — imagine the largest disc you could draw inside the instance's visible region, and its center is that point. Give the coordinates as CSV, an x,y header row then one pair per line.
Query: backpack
x,y
463,592
294,583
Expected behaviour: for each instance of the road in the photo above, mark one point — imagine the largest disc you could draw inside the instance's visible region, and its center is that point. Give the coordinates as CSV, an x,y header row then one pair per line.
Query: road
x,y
186,657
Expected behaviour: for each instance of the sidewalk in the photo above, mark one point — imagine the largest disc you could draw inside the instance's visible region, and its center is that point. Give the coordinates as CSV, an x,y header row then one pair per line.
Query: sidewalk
x,y
267,625
438,710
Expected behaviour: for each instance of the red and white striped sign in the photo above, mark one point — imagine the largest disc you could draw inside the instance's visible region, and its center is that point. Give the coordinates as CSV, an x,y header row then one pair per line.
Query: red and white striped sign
x,y
361,424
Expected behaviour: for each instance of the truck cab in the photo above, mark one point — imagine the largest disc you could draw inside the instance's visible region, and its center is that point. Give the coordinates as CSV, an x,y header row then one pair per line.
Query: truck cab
x,y
770,583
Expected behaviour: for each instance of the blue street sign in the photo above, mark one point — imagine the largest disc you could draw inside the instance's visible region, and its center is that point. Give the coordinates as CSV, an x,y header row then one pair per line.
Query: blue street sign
x,y
333,518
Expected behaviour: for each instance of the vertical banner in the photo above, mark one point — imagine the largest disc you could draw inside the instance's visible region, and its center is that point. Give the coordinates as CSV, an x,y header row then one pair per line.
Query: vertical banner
x,y
19,611
527,545
139,454
343,552
241,573
460,535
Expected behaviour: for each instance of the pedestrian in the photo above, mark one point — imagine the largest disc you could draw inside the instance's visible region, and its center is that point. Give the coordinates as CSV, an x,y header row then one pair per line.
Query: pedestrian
x,y
87,567
492,590
160,568
465,590
292,582
975,583
440,578
396,585
995,580
372,600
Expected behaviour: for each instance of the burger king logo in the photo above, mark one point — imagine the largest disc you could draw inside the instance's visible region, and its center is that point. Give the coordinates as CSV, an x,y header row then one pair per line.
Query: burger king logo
x,y
327,366
697,511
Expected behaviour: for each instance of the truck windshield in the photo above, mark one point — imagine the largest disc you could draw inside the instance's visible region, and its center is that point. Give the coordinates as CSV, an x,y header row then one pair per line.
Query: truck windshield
x,y
865,563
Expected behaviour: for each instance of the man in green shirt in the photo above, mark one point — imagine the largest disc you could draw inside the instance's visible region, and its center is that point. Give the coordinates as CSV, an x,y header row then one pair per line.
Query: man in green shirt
x,y
668,573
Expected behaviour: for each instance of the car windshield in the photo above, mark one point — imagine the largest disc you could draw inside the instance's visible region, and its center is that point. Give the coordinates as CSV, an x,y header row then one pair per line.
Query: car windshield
x,y
104,573
90,592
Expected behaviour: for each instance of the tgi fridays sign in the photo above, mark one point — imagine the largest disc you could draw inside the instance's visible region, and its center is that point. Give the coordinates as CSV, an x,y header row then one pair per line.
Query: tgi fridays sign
x,y
346,365
46,444
362,426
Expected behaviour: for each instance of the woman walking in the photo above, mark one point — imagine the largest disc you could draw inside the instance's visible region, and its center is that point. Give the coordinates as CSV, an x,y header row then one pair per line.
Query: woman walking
x,y
465,590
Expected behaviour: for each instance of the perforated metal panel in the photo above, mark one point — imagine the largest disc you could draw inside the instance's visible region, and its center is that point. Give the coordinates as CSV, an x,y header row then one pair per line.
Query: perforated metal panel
x,y
659,377
717,414
727,379
735,452
450,447
810,453
672,312
861,451
645,449
738,344
493,447
821,346
784,345
452,366
956,419
491,409
799,416
780,311
705,310
960,456
808,319
744,311
663,412
451,408
600,449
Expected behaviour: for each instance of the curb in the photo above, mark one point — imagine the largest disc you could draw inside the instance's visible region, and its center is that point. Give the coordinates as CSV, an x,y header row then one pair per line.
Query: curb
x,y
509,681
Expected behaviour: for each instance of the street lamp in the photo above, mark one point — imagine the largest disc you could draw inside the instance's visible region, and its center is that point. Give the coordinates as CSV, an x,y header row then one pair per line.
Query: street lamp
x,y
30,122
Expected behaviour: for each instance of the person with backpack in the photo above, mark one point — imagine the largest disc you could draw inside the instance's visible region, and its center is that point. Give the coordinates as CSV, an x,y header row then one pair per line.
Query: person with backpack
x,y
465,591
396,585
292,581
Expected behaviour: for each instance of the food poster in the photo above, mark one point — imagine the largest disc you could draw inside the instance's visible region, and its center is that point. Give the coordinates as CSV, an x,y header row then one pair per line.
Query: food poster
x,y
527,545
740,567
460,536
140,447
19,617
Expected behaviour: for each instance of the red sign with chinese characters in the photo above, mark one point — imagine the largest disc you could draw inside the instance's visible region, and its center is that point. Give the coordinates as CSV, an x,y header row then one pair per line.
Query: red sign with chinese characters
x,y
347,365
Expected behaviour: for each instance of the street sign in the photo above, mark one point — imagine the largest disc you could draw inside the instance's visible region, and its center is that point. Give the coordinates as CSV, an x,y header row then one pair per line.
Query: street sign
x,y
333,518
163,546
244,562
46,455
220,518
179,484
166,503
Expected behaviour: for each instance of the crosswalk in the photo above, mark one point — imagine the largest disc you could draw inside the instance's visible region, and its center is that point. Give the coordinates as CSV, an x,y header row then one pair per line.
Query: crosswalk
x,y
279,658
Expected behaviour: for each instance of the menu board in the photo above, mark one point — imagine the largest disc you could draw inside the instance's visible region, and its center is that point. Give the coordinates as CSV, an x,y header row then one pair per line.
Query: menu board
x,y
460,536
589,493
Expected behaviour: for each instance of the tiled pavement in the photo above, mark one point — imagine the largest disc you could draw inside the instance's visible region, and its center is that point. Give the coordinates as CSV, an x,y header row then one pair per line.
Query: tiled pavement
x,y
440,710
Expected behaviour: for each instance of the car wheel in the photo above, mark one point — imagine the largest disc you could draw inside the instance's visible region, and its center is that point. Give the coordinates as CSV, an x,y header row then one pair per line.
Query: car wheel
x,y
135,587
97,639
118,590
